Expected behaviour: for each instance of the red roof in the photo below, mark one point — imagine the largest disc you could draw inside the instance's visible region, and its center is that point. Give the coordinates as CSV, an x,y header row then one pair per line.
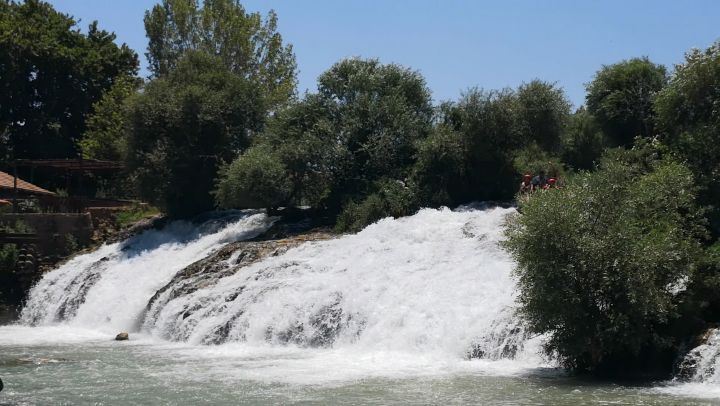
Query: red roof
x,y
7,182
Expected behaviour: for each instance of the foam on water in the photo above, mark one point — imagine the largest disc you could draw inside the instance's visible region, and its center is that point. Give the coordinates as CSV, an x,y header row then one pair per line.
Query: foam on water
x,y
436,281
409,296
109,288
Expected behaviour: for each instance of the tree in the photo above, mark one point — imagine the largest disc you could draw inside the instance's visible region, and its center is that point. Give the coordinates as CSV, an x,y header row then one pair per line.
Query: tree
x,y
304,137
379,112
184,125
688,115
602,262
105,137
545,111
491,132
245,44
50,76
621,96
351,139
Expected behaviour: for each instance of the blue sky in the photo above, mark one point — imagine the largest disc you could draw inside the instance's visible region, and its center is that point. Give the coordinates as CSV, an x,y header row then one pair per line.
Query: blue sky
x,y
457,44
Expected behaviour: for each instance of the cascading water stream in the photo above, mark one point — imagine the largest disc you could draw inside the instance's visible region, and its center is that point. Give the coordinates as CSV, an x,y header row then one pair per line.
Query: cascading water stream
x,y
109,288
702,363
434,282
411,297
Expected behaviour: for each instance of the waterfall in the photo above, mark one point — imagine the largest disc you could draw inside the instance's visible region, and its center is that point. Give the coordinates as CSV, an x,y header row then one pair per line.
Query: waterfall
x,y
109,288
437,281
702,363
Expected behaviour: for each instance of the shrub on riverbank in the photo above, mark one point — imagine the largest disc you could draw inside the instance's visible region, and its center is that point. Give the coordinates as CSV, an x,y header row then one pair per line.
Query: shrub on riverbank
x,y
602,262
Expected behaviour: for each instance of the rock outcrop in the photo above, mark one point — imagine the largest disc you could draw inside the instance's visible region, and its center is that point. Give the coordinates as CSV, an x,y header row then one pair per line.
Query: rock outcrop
x,y
229,260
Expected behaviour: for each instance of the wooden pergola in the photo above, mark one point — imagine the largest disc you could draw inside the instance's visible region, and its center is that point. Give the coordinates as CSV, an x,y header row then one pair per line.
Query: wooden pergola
x,y
69,166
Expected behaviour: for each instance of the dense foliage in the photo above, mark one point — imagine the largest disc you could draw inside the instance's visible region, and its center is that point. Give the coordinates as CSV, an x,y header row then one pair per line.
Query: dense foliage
x,y
689,117
105,137
481,137
50,75
602,261
338,145
183,126
245,43
583,141
257,179
621,98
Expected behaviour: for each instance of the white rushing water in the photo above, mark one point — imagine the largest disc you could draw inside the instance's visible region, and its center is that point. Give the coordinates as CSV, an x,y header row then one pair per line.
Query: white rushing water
x,y
109,288
433,286
426,297
699,370
433,281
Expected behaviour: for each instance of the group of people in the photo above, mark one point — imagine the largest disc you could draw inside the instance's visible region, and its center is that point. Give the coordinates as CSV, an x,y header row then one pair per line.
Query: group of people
x,y
531,183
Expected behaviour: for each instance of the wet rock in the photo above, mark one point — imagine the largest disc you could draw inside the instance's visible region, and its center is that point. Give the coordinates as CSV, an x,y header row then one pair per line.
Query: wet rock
x,y
152,223
122,337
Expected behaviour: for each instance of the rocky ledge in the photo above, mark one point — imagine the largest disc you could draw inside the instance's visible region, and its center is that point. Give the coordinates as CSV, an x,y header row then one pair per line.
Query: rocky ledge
x,y
233,258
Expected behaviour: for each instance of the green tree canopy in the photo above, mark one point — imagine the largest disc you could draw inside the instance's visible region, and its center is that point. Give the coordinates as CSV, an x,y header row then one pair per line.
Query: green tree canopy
x,y
184,125
689,117
362,126
105,137
379,111
621,96
491,131
50,75
439,172
245,43
603,261
545,111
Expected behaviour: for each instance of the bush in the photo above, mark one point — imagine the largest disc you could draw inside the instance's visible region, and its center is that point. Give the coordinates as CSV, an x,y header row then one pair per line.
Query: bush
x,y
533,159
9,252
8,257
135,213
257,179
392,199
601,262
